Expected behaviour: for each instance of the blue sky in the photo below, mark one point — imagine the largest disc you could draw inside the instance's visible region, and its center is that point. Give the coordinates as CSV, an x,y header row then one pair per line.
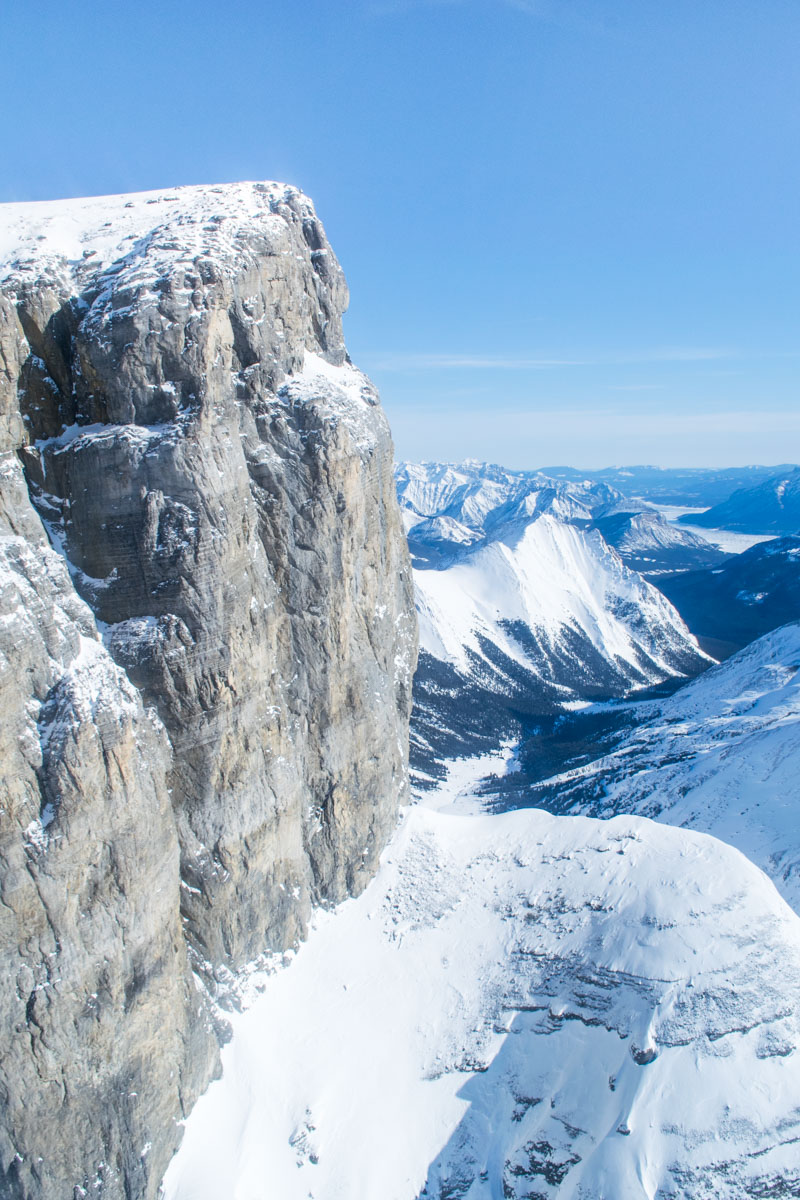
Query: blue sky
x,y
570,227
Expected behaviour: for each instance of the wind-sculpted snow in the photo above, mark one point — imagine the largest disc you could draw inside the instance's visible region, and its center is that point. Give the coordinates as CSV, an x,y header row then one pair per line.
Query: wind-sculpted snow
x,y
721,755
520,1006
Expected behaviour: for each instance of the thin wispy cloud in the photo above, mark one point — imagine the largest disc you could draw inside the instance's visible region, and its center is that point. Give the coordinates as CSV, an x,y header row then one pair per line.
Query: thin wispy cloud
x,y
624,422
636,387
467,362
462,362
541,10
534,8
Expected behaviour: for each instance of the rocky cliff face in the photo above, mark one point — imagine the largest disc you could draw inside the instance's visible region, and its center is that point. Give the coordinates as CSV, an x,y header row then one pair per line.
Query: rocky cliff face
x,y
205,660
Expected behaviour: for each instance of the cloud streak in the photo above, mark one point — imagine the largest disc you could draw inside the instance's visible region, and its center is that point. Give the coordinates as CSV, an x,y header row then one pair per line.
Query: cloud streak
x,y
595,437
476,362
382,8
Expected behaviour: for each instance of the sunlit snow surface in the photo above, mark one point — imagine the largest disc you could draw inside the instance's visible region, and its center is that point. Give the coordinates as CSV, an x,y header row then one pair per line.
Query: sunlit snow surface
x,y
516,590
519,1006
137,231
550,577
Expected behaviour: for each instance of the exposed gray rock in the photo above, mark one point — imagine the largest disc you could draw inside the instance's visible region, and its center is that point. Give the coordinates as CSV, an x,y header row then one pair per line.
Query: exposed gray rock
x,y
218,481
104,1044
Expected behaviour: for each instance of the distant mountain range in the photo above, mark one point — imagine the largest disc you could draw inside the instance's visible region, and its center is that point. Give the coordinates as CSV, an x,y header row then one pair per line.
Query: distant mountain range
x,y
771,506
450,510
692,487
648,543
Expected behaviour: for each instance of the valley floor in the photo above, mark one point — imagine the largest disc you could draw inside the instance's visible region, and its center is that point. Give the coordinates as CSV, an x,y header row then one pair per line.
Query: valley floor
x,y
519,1006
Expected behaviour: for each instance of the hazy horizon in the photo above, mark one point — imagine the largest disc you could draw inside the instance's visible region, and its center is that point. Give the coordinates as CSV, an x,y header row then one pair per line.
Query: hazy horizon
x,y
570,466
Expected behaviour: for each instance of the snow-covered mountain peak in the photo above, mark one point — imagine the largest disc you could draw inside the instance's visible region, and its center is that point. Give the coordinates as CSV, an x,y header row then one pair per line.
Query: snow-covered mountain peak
x,y
489,501
548,576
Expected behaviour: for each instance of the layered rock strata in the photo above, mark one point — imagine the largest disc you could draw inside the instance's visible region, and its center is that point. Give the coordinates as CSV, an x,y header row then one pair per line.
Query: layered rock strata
x,y
206,648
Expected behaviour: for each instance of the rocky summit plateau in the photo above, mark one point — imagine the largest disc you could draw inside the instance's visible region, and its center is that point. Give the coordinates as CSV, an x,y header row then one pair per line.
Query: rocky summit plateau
x,y
207,641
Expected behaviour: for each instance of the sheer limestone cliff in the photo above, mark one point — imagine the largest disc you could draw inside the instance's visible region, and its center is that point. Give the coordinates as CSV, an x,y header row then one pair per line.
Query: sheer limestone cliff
x,y
207,641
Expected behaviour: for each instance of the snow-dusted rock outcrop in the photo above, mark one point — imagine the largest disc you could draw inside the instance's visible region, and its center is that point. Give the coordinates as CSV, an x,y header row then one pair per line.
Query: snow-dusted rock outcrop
x,y
217,479
104,1046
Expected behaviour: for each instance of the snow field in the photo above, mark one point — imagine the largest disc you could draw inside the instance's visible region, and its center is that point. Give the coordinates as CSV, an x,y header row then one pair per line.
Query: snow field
x,y
96,231
482,1020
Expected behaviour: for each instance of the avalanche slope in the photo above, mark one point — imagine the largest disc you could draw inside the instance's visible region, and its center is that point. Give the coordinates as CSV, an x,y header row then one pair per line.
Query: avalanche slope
x,y
519,1006
720,756
534,594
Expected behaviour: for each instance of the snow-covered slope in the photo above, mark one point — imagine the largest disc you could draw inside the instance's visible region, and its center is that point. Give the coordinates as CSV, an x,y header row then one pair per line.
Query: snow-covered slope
x,y
140,233
721,755
451,509
520,1006
523,606
532,596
